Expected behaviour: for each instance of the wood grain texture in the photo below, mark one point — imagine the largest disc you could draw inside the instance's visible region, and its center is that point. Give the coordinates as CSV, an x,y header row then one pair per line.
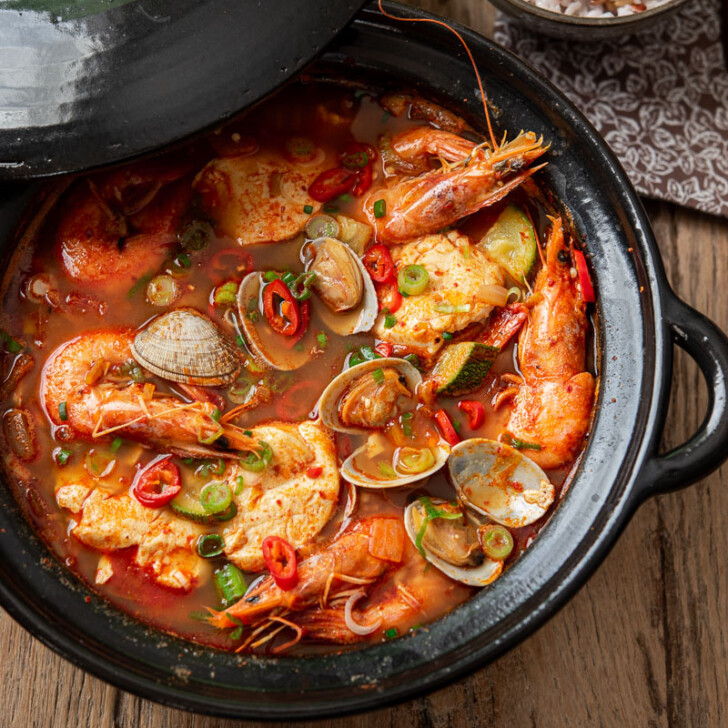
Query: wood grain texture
x,y
644,643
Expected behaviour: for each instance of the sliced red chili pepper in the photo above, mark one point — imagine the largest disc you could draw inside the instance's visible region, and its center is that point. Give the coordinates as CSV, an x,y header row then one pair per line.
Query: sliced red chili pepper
x,y
280,560
389,296
304,310
384,348
331,183
314,471
446,428
155,485
378,263
295,403
364,179
284,316
475,412
587,290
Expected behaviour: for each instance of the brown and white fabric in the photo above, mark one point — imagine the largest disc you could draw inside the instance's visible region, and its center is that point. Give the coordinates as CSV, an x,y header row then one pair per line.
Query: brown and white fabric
x,y
660,99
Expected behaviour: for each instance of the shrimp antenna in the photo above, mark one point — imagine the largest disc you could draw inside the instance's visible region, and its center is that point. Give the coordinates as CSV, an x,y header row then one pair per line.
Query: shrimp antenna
x,y
467,50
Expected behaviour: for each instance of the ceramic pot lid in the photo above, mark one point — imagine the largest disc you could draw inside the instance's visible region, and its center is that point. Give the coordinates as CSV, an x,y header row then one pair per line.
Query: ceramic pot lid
x,y
85,83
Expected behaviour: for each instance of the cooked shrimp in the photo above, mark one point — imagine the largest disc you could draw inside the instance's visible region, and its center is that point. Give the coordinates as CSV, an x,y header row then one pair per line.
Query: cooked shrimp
x,y
554,399
436,199
294,497
458,292
360,555
117,227
78,392
258,199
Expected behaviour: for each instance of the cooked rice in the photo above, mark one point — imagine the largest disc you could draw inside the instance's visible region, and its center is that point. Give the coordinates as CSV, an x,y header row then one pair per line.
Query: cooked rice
x,y
597,8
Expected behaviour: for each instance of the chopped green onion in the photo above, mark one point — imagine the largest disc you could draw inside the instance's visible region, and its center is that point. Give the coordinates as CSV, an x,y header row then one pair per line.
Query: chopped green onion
x,y
412,461
446,335
456,425
226,294
496,541
258,460
387,471
187,461
450,308
389,321
99,464
322,339
62,455
519,444
240,341
13,346
248,433
270,275
391,633
412,280
331,208
210,545
199,616
139,285
184,260
216,414
219,468
162,291
431,513
355,160
380,208
239,483
378,375
230,584
288,278
211,438
369,354
514,294
322,226
197,235
413,359
300,287
215,497
63,411
407,424
308,209
116,444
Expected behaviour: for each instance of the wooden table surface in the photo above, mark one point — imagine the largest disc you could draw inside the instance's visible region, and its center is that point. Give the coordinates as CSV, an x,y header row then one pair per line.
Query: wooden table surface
x,y
644,643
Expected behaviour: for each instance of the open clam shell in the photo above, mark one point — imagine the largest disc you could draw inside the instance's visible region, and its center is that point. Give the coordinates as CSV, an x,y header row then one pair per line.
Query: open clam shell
x,y
353,469
183,345
344,288
265,343
486,572
500,482
328,404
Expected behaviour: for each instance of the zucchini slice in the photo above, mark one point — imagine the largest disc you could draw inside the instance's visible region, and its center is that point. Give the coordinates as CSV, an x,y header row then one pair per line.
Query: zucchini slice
x,y
511,242
462,367
187,504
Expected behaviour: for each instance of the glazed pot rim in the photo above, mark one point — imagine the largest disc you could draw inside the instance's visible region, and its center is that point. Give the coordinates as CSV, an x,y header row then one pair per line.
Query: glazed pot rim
x,y
602,496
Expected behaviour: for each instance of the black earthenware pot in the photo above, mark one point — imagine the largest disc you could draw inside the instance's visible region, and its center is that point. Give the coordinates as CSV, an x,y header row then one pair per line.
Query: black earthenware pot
x,y
640,319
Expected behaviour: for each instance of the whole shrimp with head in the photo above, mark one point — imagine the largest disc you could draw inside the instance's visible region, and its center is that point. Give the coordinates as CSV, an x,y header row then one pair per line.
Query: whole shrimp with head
x,y
552,401
472,176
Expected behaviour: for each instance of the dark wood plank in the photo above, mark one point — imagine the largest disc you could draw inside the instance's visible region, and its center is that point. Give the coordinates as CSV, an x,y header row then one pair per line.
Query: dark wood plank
x,y
644,643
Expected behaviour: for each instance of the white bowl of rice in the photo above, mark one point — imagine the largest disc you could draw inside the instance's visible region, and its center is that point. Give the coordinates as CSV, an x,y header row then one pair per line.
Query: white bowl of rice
x,y
588,19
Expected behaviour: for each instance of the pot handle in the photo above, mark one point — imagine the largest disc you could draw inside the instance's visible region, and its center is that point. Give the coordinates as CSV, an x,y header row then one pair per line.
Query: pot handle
x,y
702,340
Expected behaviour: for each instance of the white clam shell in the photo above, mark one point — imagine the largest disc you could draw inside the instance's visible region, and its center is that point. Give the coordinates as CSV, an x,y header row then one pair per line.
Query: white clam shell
x,y
328,404
363,317
354,474
481,575
184,345
262,342
514,497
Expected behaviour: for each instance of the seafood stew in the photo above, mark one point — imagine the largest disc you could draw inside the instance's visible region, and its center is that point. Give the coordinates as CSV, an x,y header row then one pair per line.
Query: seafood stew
x,y
313,379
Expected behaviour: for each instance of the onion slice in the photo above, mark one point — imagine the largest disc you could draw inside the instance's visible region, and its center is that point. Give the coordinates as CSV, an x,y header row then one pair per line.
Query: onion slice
x,y
493,295
353,626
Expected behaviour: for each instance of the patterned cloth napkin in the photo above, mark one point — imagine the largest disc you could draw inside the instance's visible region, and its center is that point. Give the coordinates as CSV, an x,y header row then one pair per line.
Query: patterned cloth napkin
x,y
660,99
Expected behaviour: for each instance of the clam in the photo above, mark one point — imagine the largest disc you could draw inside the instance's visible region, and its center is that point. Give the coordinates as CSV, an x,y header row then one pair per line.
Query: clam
x,y
450,544
362,470
359,400
497,481
185,346
344,286
265,343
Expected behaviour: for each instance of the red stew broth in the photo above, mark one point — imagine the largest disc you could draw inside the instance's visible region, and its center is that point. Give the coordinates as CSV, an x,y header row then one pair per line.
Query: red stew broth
x,y
329,116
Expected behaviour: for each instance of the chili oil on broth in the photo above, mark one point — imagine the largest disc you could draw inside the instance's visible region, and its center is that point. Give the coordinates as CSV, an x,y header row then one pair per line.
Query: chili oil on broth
x,y
326,115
